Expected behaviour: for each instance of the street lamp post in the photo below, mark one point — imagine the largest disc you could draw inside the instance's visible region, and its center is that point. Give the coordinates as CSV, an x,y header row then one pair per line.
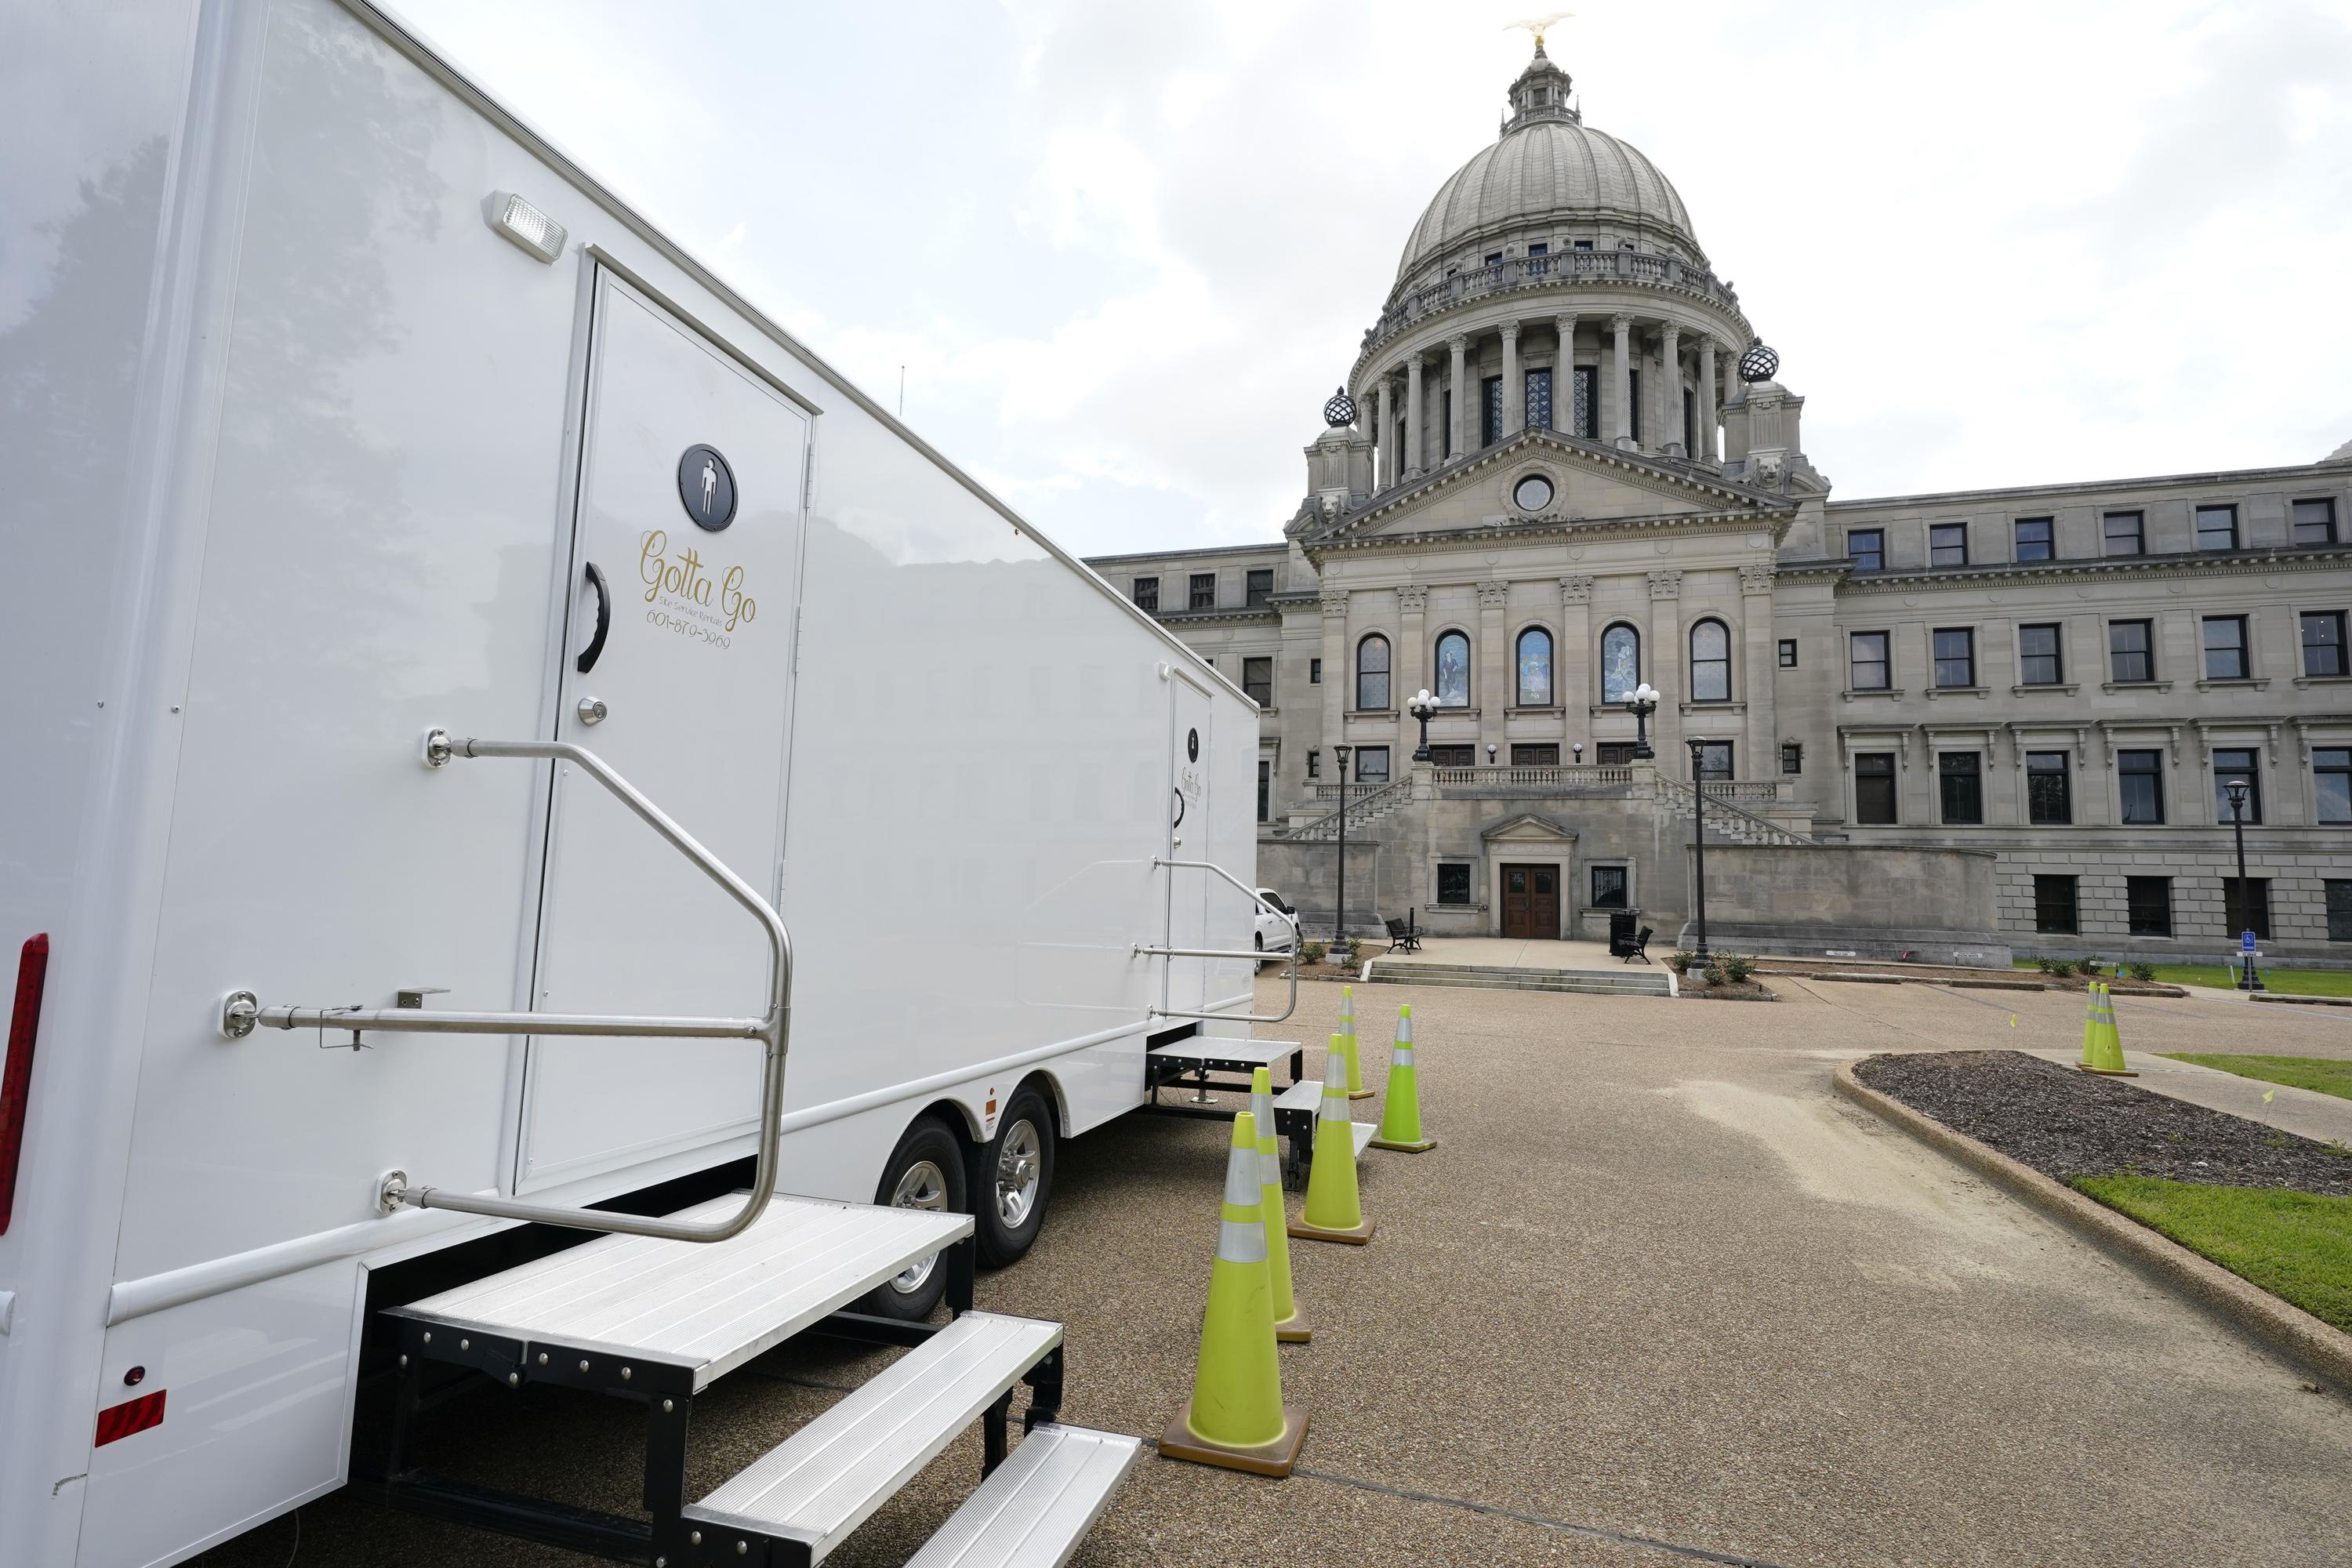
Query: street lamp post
x,y
2237,791
1700,956
1340,919
1421,706
1642,704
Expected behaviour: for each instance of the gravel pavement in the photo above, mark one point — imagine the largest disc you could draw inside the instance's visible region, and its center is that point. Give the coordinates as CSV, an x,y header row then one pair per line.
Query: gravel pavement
x,y
1657,1297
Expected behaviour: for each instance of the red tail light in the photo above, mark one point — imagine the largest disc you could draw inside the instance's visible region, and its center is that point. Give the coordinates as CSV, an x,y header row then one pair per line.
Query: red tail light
x,y
17,1078
132,1416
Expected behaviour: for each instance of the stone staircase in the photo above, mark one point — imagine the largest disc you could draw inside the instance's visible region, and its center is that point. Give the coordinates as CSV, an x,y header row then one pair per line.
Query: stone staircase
x,y
1633,982
1362,811
1724,821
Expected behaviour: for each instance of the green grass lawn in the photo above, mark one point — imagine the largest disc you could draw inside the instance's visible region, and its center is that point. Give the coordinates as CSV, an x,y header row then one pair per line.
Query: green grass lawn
x,y
2296,1245
2302,1072
2286,982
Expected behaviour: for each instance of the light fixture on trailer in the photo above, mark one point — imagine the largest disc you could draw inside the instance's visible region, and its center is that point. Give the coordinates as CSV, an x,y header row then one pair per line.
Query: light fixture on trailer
x,y
523,224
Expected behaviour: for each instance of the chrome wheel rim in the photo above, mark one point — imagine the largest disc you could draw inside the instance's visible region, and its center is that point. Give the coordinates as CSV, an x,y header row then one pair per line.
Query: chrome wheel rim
x,y
1020,1164
924,1187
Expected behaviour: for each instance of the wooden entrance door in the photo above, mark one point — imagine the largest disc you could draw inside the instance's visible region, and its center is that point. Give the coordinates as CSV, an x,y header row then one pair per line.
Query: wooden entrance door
x,y
1531,901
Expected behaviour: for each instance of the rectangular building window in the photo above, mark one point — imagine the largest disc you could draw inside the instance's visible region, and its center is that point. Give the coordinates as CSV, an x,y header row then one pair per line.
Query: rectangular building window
x,y
1453,756
1261,588
1265,788
1692,445
1873,788
1372,764
2126,535
1257,680
2216,528
1614,754
1788,653
2232,765
1959,783
1453,884
1868,548
1948,544
1580,245
1203,594
2315,521
2339,910
2034,541
2331,783
1494,258
2323,642
1588,399
2225,648
1445,423
1314,764
2049,792
1490,410
1633,404
2251,912
1871,670
2131,650
2053,905
1713,759
1535,753
2139,778
1147,593
1956,656
1314,672
2147,905
1540,399
1609,886
2038,654
1792,756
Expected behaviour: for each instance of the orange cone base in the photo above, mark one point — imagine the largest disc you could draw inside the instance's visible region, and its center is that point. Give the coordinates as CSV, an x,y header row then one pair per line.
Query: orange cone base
x,y
1424,1147
1353,1237
2108,1072
1293,1330
1275,1458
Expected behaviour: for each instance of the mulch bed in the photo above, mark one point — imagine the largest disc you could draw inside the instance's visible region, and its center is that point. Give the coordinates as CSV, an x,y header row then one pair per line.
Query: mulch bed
x,y
2065,1123
1729,991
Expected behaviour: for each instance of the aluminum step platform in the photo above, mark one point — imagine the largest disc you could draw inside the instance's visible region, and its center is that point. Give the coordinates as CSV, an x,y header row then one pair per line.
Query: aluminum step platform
x,y
1037,1507
1231,1056
823,1481
702,1307
1308,1098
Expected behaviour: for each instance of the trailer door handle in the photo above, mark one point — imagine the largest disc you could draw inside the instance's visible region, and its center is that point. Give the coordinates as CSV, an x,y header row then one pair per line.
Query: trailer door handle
x,y
595,648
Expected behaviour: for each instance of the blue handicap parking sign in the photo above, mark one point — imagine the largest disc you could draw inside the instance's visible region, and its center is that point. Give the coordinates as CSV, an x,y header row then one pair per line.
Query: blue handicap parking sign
x,y
2246,942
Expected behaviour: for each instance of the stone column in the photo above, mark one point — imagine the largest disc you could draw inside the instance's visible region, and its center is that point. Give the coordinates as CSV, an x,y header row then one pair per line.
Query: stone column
x,y
1621,384
1459,422
1491,693
1563,376
1662,666
1703,444
1387,436
1762,746
1409,662
1670,390
1412,451
1572,685
1338,677
1515,385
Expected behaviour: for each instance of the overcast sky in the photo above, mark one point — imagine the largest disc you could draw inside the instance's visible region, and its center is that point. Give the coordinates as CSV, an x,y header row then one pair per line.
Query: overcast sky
x,y
1125,251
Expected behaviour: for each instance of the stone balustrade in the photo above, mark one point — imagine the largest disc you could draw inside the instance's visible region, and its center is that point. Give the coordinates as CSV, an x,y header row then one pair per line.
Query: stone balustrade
x,y
1596,267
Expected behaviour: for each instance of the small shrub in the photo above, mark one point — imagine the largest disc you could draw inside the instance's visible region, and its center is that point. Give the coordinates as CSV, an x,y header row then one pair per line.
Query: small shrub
x,y
2143,972
2061,967
2094,964
1355,951
1312,952
1740,966
1679,963
2049,966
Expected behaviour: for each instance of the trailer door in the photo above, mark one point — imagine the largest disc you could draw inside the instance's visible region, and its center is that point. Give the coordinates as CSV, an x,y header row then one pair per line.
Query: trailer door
x,y
689,514
1184,984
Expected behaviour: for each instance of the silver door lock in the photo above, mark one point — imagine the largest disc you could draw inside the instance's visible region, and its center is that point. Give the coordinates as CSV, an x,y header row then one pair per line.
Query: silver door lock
x,y
592,711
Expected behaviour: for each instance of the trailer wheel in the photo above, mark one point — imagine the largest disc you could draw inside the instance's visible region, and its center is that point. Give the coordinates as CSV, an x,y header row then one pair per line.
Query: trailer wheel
x,y
926,1171
1013,1178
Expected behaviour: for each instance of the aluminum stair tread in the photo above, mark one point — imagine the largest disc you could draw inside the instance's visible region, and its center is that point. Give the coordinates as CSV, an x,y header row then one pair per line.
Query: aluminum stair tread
x,y
707,1306
1037,1507
1308,1095
1257,1053
823,1481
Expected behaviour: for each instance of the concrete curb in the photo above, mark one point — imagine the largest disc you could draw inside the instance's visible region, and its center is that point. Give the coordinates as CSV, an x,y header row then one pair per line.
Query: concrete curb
x,y
2277,1001
2318,1346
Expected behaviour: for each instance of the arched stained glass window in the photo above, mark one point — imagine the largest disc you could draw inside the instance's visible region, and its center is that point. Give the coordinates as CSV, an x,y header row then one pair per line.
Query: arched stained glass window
x,y
1710,650
1452,688
1372,673
1535,668
1621,663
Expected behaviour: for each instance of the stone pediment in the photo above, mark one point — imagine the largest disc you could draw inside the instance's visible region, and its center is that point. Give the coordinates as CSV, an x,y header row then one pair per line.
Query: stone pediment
x,y
1591,485
1529,829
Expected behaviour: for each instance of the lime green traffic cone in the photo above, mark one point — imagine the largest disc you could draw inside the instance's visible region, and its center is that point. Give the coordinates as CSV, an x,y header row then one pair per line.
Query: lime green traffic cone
x,y
2089,1025
1400,1111
1334,1212
1290,1324
2105,1051
1235,1417
1356,1090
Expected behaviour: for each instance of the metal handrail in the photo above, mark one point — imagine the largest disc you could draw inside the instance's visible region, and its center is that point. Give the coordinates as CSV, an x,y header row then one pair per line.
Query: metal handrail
x,y
1141,950
241,1012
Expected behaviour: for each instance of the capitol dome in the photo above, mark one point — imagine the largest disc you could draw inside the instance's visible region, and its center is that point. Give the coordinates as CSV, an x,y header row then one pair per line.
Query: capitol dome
x,y
1549,171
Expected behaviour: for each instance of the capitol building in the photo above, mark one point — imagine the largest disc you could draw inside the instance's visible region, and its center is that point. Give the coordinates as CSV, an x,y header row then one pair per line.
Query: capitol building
x,y
1562,467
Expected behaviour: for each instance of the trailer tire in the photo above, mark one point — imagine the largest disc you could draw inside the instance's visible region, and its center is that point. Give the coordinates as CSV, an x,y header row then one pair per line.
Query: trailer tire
x,y
1013,1178
925,1170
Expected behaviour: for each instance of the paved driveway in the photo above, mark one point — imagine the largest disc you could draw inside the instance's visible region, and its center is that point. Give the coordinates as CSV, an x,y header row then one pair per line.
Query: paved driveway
x,y
1657,1297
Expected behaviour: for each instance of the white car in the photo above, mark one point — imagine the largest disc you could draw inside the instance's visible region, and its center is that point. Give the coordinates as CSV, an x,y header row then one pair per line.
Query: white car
x,y
1276,932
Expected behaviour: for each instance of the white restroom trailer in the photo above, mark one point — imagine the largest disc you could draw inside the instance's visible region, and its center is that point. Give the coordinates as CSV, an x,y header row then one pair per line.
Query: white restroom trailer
x,y
438,599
